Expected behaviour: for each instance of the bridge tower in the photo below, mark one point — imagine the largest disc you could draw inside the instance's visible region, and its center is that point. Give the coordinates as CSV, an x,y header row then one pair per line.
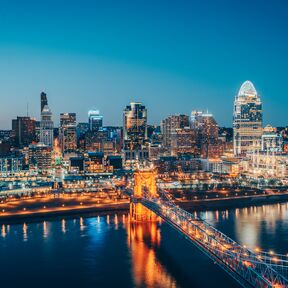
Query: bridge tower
x,y
145,179
144,185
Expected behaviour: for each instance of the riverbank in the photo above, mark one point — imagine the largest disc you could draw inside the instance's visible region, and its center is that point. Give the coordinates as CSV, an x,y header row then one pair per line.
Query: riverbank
x,y
44,207
60,206
233,202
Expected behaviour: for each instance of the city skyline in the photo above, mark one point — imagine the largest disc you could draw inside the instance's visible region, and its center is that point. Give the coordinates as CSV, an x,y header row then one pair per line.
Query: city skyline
x,y
57,118
149,143
186,56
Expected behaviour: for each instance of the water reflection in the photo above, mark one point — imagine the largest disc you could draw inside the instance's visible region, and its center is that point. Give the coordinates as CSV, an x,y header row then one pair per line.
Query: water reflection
x,y
141,253
256,226
45,230
3,231
143,240
81,223
63,226
25,238
116,221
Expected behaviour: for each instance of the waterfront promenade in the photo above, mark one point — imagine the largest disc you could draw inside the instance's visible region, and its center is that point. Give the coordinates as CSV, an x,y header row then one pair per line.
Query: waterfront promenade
x,y
76,203
61,204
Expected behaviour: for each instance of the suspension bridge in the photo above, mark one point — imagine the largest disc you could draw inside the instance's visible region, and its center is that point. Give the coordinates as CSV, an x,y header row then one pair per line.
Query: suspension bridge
x,y
248,268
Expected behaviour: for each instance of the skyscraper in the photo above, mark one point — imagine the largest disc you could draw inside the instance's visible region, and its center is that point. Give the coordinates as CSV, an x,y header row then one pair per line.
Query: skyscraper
x,y
134,126
23,130
43,99
205,126
67,119
46,127
169,126
206,130
182,141
135,133
67,132
247,120
95,120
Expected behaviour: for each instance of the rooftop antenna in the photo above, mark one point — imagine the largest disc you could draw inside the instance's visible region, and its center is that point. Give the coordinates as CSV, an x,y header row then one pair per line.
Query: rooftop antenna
x,y
27,109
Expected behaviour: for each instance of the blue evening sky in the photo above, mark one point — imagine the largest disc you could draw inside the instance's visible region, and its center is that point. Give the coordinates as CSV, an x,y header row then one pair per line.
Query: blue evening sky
x,y
174,56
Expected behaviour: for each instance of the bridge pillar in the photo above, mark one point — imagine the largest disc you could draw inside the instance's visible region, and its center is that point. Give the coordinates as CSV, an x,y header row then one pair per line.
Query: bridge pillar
x,y
143,179
140,213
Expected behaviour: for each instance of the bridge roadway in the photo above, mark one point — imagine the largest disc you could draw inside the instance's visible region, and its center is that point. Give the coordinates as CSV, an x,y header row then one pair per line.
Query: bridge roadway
x,y
249,269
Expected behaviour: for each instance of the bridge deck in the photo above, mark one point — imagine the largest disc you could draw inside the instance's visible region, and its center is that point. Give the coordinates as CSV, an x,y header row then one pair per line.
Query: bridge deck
x,y
246,267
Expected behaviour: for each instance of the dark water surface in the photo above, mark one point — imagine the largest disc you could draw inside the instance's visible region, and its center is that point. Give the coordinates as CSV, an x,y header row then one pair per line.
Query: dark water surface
x,y
109,251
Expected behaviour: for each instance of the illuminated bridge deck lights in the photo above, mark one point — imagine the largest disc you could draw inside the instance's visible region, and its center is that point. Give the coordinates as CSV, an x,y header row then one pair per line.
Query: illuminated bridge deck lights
x,y
248,268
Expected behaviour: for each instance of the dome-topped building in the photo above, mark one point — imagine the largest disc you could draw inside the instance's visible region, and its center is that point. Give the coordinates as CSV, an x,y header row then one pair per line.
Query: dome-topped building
x,y
247,119
247,89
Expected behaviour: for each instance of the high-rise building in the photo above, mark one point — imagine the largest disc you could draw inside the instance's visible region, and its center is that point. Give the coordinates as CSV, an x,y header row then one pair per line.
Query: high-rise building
x,y
205,126
67,132
94,140
207,133
43,99
115,135
67,119
183,141
247,120
46,127
23,131
170,125
134,126
135,134
95,120
82,129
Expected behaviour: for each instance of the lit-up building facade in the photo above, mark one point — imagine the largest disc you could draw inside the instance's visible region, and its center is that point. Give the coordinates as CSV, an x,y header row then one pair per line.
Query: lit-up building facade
x,y
207,135
266,164
67,132
23,131
271,140
10,165
95,120
205,126
94,141
247,120
134,126
135,133
46,127
268,160
183,141
170,125
40,157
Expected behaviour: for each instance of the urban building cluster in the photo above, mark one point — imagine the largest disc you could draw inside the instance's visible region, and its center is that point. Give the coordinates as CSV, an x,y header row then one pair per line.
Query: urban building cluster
x,y
181,144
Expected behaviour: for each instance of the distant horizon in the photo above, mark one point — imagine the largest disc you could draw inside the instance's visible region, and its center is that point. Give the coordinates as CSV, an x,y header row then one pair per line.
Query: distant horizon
x,y
174,58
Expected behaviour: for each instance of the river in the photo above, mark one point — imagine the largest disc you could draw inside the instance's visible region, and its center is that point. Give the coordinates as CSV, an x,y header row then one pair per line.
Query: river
x,y
109,251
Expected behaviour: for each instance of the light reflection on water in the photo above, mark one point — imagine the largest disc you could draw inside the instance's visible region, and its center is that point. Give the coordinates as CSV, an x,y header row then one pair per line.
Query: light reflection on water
x,y
146,268
110,251
262,226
